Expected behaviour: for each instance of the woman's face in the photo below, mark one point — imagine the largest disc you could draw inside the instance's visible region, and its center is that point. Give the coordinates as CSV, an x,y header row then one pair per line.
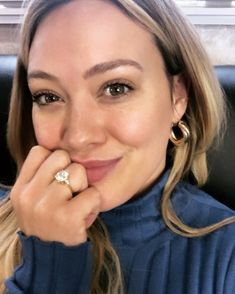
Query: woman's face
x,y
102,95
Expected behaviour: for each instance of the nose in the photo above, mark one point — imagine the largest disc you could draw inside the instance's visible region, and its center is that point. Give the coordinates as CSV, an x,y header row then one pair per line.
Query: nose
x,y
84,128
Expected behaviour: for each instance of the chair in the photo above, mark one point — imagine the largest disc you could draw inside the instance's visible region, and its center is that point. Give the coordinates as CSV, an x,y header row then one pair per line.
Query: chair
x,y
7,166
221,182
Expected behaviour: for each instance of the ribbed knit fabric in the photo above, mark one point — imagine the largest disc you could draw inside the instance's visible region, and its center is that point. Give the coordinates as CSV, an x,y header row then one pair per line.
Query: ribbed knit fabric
x,y
154,260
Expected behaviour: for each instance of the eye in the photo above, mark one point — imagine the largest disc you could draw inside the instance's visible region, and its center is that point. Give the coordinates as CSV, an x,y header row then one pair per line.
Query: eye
x,y
117,89
45,98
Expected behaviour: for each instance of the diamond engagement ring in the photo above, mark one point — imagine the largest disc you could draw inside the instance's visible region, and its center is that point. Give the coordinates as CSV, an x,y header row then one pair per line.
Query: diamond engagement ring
x,y
63,178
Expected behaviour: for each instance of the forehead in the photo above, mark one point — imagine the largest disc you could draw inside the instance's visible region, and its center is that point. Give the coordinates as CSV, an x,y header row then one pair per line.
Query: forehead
x,y
89,32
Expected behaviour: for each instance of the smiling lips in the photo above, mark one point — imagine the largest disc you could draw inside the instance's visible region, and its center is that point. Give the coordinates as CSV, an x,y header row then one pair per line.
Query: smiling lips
x,y
98,169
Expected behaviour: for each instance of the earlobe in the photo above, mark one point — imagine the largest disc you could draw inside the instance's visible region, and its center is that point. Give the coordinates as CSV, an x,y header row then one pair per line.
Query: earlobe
x,y
179,97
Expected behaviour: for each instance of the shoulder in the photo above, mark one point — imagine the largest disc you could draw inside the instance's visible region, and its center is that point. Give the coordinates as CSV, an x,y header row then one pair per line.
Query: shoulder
x,y
4,191
215,250
198,208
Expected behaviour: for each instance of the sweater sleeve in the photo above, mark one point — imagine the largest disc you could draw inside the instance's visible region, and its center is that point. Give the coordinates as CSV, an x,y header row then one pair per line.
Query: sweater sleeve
x,y
51,267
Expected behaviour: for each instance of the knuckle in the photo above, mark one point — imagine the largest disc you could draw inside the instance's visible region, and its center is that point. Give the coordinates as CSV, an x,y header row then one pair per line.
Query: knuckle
x,y
21,206
63,156
78,177
82,169
37,149
17,197
78,168
24,203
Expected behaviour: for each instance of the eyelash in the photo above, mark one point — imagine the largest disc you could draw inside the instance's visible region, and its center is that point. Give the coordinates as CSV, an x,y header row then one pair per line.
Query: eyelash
x,y
129,87
48,95
51,97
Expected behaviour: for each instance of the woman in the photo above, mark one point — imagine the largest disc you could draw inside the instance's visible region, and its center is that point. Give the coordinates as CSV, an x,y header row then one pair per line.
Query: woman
x,y
114,103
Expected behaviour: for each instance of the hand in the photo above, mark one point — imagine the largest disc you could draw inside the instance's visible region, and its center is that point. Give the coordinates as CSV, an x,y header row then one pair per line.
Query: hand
x,y
45,208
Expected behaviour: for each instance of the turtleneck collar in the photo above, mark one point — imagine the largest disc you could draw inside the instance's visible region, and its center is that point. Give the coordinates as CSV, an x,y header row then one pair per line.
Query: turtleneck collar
x,y
138,220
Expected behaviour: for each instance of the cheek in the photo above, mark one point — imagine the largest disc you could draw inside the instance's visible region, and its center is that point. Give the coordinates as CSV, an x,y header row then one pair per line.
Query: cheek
x,y
145,126
47,132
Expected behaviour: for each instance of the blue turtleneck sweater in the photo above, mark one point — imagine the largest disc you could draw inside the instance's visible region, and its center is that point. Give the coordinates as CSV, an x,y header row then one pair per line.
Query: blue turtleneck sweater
x,y
154,260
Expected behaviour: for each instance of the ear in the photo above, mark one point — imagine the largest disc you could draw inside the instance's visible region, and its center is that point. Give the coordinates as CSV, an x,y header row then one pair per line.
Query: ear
x,y
179,97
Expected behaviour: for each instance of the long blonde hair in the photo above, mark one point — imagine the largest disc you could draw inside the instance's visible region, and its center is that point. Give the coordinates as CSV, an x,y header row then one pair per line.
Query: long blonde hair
x,y
182,53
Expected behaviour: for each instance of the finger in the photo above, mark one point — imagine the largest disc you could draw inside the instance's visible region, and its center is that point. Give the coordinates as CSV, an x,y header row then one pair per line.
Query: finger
x,y
89,220
35,158
77,183
86,204
57,161
77,177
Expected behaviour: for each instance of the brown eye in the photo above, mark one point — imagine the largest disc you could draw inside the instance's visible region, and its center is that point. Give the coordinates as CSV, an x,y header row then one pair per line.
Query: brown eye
x,y
117,89
45,98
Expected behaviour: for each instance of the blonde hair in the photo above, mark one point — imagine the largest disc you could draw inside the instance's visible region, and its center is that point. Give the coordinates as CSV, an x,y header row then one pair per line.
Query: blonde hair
x,y
183,54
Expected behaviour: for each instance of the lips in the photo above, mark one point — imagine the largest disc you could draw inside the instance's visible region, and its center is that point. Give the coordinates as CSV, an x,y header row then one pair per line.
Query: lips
x,y
98,169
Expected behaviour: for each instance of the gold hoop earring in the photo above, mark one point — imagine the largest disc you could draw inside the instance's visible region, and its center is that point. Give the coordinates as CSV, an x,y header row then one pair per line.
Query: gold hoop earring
x,y
180,139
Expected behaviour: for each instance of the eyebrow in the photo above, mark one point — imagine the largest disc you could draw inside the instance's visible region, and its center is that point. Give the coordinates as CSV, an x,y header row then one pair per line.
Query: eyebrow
x,y
110,65
39,74
94,70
